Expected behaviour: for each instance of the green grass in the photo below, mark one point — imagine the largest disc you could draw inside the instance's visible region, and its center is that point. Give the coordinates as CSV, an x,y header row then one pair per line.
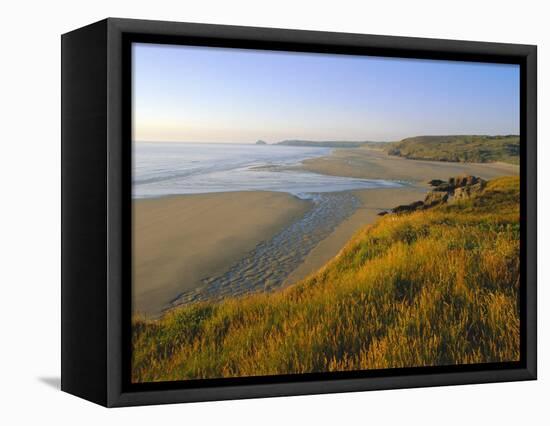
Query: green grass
x,y
434,287
462,148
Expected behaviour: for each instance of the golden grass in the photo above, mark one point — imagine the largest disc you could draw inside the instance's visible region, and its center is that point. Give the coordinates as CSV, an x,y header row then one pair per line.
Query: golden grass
x,y
435,287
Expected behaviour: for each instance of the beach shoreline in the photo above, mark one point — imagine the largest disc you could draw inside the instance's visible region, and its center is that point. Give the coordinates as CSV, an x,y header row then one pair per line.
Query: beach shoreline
x,y
180,241
369,163
372,202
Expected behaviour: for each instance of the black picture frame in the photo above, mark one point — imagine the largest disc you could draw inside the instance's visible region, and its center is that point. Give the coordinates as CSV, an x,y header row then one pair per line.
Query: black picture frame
x,y
96,211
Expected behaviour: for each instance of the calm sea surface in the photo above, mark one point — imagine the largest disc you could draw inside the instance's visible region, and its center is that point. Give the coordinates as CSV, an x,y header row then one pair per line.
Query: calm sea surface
x,y
162,169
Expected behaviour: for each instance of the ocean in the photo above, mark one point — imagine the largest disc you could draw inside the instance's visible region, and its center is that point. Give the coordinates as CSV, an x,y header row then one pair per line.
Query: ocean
x,y
162,169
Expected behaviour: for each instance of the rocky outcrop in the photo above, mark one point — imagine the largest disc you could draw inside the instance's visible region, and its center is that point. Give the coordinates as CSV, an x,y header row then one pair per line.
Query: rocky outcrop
x,y
436,182
455,183
417,205
261,142
443,187
435,198
454,189
468,191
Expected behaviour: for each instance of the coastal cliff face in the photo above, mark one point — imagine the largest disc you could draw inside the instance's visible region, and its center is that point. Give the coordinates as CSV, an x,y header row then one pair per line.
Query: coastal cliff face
x,y
434,286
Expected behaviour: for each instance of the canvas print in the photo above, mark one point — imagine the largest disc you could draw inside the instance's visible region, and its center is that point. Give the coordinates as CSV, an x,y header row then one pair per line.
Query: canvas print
x,y
298,213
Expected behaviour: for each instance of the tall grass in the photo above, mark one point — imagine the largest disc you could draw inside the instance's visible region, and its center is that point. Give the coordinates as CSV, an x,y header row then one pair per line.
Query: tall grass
x,y
435,287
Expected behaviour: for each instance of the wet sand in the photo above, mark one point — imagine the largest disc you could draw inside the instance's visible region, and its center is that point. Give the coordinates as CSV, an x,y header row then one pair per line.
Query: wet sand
x,y
181,240
376,164
267,266
372,202
370,163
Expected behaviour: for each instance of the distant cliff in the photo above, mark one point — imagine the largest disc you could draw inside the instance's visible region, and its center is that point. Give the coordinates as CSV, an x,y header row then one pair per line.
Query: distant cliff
x,y
459,148
261,142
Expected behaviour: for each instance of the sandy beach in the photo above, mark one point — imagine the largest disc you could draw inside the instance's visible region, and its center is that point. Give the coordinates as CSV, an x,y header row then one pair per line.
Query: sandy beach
x,y
376,164
373,201
195,247
370,163
180,240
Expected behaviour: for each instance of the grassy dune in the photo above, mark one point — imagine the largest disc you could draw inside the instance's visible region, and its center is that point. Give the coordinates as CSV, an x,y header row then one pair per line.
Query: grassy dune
x,y
459,148
434,287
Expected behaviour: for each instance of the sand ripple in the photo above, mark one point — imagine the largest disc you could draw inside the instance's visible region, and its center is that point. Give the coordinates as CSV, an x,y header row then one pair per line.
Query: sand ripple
x,y
267,266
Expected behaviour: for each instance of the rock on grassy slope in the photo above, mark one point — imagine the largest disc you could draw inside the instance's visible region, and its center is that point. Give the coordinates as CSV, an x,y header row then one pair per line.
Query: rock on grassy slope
x,y
431,287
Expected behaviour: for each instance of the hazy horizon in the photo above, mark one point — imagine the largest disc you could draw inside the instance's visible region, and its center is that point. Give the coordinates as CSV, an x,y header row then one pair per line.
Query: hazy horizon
x,y
193,94
309,140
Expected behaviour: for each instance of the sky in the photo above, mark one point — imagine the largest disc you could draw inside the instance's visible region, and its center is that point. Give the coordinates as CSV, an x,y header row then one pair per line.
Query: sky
x,y
223,95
